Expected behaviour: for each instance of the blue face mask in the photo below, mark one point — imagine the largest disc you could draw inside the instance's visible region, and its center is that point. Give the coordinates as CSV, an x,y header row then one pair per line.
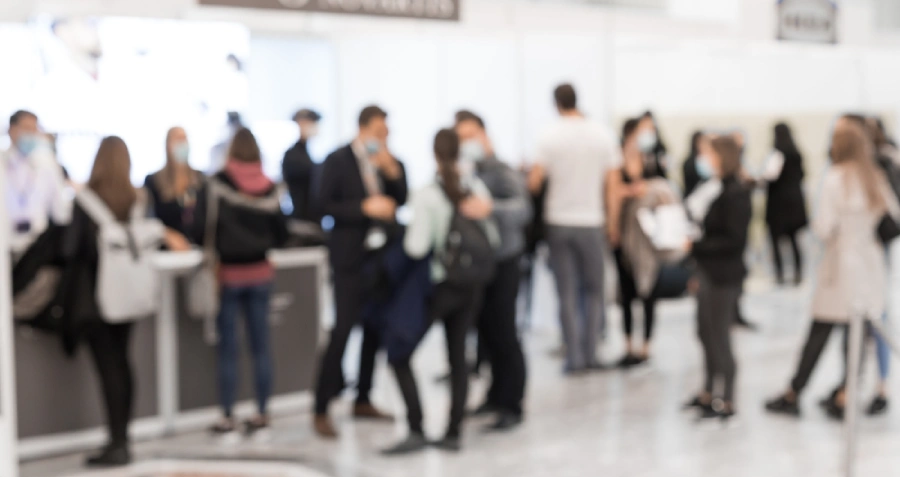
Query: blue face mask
x,y
472,150
27,144
704,170
181,152
372,147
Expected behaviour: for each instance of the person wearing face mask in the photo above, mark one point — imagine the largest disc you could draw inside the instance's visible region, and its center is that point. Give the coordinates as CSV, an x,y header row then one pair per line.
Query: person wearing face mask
x,y
298,168
173,190
497,330
719,254
362,185
36,187
651,145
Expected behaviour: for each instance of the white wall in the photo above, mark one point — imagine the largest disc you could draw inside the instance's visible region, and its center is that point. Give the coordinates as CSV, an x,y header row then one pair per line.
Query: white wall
x,y
8,461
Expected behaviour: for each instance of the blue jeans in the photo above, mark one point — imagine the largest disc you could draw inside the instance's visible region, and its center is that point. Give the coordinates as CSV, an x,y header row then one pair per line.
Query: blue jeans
x,y
254,302
884,353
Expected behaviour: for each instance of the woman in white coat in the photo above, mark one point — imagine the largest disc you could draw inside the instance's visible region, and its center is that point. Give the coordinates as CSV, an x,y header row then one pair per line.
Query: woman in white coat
x,y
852,275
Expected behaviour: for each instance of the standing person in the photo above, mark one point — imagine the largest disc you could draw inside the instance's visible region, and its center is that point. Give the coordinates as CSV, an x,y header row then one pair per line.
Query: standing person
x,y
786,205
650,143
721,272
741,140
109,343
173,189
248,224
577,156
497,325
888,158
690,174
362,185
457,305
298,168
852,274
36,192
631,184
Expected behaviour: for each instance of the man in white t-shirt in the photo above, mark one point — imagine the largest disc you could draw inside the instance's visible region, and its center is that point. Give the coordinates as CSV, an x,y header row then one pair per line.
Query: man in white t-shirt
x,y
576,156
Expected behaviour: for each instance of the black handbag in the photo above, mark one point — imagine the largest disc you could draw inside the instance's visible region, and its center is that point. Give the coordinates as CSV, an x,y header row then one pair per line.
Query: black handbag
x,y
888,230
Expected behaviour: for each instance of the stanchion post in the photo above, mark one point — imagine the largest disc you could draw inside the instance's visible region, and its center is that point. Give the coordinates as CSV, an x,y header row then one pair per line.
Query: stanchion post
x,y
851,404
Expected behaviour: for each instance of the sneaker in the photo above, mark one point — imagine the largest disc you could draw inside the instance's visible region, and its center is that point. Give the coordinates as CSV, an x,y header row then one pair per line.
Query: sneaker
x,y
225,431
835,411
878,407
782,405
110,456
415,442
259,429
694,403
450,443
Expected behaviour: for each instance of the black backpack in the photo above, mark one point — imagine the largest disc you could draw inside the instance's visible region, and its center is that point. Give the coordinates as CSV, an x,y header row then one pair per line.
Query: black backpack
x,y
891,172
468,255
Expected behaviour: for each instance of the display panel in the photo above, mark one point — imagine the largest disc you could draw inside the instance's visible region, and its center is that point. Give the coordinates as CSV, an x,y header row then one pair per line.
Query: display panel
x,y
87,78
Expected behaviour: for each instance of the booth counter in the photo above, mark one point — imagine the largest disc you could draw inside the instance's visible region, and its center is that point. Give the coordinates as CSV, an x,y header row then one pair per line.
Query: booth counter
x,y
60,408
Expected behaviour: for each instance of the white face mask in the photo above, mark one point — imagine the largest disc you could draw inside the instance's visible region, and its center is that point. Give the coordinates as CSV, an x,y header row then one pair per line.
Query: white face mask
x,y
472,150
646,141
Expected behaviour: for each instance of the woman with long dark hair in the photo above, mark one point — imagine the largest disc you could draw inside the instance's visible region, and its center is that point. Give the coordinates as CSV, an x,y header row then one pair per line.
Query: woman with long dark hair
x,y
651,144
433,210
786,205
852,273
248,224
690,174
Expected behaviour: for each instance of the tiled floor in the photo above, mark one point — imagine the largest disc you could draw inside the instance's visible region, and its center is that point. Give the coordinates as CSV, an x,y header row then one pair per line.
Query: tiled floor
x,y
611,424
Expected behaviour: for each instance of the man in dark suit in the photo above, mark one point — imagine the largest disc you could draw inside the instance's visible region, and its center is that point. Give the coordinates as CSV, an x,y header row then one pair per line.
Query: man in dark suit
x,y
361,187
298,167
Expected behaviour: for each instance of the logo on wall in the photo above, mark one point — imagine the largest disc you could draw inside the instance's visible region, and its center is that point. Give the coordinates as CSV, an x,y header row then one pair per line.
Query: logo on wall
x,y
807,20
447,10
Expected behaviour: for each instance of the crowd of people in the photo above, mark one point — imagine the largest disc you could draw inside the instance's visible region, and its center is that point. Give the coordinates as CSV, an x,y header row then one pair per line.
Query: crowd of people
x,y
588,194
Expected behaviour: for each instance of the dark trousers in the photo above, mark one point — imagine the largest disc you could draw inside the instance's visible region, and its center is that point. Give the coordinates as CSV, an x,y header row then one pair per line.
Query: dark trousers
x,y
110,348
456,308
348,310
819,333
716,304
629,292
776,254
499,335
253,301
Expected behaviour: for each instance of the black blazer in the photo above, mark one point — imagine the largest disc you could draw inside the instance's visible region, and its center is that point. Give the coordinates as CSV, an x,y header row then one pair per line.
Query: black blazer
x,y
341,194
298,172
691,177
720,253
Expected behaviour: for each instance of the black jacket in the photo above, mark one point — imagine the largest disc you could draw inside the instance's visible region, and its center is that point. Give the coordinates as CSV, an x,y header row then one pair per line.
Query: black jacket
x,y
341,194
786,205
176,214
79,250
248,226
299,172
720,253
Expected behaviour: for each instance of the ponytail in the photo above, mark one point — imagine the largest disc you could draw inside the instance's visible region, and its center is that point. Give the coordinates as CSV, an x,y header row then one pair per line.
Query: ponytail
x,y
446,150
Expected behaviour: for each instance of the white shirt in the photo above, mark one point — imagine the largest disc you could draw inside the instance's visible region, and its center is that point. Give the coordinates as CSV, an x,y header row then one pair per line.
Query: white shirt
x,y
36,192
577,154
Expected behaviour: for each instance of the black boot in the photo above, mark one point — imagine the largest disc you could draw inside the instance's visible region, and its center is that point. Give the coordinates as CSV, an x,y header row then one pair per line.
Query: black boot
x,y
451,442
113,455
506,421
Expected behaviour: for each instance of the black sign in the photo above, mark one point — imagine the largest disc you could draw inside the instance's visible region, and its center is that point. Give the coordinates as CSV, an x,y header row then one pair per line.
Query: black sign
x,y
447,10
807,20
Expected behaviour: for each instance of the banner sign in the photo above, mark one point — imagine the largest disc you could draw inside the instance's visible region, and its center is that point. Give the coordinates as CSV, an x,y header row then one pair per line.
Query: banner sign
x,y
447,10
807,20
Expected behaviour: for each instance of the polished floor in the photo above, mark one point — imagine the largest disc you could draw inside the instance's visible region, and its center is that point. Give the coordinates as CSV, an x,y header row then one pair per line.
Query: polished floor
x,y
611,423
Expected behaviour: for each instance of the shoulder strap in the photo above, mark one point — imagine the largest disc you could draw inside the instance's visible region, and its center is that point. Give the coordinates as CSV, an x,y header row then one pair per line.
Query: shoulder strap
x,y
96,209
212,218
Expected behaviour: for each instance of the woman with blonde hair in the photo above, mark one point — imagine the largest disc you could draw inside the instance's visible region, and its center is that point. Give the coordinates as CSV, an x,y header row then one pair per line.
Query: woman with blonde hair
x,y
851,276
173,189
